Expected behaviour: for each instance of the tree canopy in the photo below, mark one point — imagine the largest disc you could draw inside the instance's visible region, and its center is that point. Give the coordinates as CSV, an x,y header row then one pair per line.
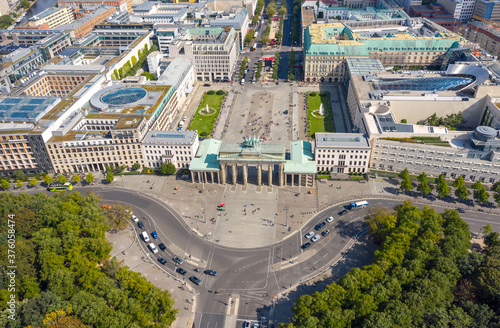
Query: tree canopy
x,y
65,274
422,276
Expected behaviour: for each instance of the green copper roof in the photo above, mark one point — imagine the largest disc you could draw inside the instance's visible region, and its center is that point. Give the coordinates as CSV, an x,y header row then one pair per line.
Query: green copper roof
x,y
206,156
301,158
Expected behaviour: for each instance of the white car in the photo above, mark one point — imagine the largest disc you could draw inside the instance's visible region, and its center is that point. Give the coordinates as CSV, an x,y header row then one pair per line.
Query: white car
x,y
135,218
153,248
309,234
330,219
315,238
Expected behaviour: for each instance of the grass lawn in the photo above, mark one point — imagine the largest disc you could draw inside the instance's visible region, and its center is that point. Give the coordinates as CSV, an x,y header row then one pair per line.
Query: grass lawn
x,y
206,123
319,124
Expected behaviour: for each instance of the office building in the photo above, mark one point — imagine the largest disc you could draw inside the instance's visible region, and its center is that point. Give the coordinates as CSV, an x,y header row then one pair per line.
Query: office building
x,y
120,5
83,26
341,152
181,76
176,147
487,9
214,51
461,10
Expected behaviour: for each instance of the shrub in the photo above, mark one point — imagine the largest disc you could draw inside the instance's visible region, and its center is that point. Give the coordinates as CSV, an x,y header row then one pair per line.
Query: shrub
x,y
312,94
220,92
322,94
211,92
204,134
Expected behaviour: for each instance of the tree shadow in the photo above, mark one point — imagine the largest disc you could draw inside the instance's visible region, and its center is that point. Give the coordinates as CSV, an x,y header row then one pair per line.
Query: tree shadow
x,y
361,254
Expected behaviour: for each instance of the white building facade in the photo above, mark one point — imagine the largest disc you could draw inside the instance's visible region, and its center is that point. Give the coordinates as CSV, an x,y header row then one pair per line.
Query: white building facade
x,y
176,147
342,152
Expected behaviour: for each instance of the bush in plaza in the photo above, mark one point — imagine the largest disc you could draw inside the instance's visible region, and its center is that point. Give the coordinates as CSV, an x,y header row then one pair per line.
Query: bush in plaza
x,y
322,94
220,92
204,134
312,94
211,92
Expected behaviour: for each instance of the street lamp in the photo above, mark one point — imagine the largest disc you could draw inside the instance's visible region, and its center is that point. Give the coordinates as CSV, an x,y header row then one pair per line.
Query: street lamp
x,y
203,212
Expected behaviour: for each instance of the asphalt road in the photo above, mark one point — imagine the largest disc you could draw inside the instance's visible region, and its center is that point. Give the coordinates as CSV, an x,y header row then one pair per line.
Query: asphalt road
x,y
256,275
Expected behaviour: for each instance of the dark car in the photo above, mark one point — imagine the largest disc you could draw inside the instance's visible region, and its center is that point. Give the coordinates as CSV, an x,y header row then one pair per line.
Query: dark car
x,y
206,85
195,280
177,260
162,246
325,232
305,246
162,260
181,271
319,226
140,225
210,272
154,234
342,212
461,210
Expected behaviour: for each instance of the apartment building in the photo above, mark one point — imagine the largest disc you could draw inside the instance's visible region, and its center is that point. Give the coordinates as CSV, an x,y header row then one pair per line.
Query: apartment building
x,y
52,17
486,35
180,75
176,147
342,152
487,9
327,46
120,5
4,7
214,52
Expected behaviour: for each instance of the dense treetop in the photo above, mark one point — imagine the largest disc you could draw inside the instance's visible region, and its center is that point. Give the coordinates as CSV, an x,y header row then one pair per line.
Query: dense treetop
x,y
423,275
65,276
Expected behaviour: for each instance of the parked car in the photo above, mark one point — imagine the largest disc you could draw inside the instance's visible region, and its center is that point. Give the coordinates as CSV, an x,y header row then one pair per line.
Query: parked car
x,y
325,232
210,272
305,246
177,260
162,246
140,225
135,218
154,234
461,210
246,324
315,238
181,271
330,219
319,226
162,260
309,234
153,248
195,280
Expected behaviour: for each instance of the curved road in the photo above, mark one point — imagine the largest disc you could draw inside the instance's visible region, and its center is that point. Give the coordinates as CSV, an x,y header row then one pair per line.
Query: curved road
x,y
255,275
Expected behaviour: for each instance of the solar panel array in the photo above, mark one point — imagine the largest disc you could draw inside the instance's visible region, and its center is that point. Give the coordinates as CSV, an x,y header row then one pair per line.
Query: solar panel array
x,y
25,109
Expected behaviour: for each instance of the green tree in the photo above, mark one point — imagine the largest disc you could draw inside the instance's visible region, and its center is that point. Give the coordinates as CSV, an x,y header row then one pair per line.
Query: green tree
x,y
460,189
406,184
249,37
76,179
6,21
4,184
442,186
48,179
89,178
423,187
282,11
404,121
134,60
136,166
480,193
109,177
62,179
167,168
118,217
19,183
496,191
33,182
20,175
25,4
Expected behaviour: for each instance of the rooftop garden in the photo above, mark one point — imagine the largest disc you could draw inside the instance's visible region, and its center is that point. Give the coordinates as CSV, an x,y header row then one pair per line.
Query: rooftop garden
x,y
433,141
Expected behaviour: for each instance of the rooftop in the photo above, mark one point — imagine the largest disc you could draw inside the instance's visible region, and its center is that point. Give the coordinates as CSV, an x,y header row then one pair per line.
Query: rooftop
x,y
206,156
345,140
26,109
301,158
128,123
171,137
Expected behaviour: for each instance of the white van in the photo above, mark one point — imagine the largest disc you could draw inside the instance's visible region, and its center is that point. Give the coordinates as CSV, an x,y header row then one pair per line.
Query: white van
x,y
145,236
153,248
242,81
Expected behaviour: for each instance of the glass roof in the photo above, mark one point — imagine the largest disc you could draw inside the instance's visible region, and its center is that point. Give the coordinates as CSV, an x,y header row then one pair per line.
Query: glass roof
x,y
442,83
123,96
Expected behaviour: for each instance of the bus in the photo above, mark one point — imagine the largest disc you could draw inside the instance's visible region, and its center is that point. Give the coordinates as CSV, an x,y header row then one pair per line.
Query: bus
x,y
361,204
60,186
